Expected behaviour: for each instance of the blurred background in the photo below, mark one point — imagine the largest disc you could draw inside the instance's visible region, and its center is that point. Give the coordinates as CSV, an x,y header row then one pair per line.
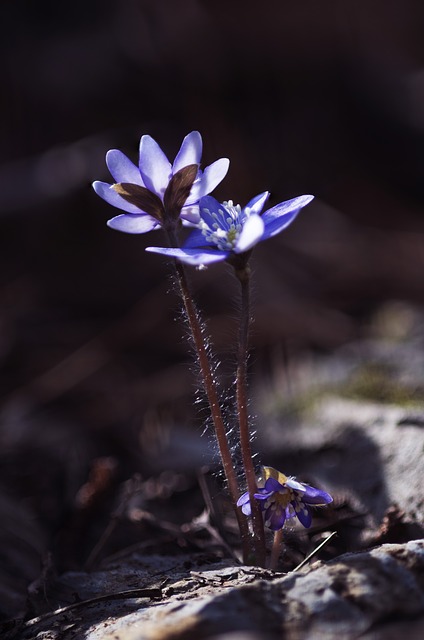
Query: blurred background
x,y
323,97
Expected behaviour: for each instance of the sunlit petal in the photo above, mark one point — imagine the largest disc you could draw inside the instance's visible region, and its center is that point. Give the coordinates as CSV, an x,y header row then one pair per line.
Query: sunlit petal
x,y
155,167
133,223
108,193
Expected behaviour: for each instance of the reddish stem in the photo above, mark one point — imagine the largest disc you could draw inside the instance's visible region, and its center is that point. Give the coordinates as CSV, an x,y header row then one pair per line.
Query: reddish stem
x,y
243,276
209,385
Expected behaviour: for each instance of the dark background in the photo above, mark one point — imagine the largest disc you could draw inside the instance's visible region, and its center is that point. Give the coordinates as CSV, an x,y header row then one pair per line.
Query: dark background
x,y
314,96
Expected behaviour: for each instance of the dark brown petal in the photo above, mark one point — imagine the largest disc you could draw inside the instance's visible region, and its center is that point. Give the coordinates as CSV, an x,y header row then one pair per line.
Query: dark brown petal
x,y
141,198
178,190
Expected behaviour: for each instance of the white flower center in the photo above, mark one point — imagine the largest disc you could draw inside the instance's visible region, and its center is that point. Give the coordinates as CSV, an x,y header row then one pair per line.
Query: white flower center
x,y
226,227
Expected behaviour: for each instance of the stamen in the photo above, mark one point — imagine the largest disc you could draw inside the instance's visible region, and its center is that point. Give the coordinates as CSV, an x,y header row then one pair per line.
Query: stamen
x,y
226,228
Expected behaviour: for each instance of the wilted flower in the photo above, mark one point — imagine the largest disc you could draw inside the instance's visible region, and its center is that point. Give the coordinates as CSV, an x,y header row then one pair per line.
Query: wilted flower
x,y
282,498
157,191
226,230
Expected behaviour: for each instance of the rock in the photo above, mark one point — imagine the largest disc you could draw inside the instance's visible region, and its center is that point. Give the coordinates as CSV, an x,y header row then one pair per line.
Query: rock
x,y
369,595
374,450
352,423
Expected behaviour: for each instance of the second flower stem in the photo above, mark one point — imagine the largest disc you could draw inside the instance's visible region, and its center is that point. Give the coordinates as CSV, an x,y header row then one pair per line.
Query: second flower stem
x,y
210,388
276,550
243,276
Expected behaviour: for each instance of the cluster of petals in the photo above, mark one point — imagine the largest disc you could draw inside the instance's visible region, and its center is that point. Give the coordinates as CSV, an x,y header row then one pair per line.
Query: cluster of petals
x,y
225,230
154,173
283,498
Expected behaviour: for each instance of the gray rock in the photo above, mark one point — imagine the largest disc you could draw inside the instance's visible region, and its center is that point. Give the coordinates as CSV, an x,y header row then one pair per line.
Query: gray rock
x,y
371,450
373,595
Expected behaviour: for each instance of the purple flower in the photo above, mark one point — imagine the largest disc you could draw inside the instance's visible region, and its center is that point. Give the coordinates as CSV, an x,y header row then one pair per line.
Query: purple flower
x,y
282,498
226,230
156,189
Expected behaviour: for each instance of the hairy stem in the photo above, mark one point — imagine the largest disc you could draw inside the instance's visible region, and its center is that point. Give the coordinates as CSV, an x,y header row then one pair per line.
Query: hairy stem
x,y
243,276
209,385
276,549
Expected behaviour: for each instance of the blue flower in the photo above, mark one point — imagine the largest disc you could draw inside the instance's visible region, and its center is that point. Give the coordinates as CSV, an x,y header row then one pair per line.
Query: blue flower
x,y
147,192
282,498
226,230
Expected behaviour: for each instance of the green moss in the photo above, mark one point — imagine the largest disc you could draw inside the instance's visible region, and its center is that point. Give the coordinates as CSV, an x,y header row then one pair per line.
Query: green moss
x,y
371,383
296,407
378,384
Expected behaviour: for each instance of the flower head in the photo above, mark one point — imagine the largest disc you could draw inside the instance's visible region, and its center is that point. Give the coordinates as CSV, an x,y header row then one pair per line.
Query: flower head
x,y
282,498
226,230
157,190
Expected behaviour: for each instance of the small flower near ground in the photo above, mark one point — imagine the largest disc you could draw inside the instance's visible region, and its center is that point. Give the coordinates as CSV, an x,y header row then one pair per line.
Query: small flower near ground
x,y
226,230
282,498
156,191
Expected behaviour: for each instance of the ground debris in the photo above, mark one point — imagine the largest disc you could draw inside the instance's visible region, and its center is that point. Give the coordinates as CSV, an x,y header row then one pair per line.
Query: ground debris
x,y
355,595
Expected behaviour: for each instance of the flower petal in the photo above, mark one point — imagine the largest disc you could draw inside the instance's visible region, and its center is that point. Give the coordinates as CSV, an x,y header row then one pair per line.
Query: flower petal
x,y
275,517
263,494
247,509
280,216
243,499
294,484
304,514
195,257
190,214
316,496
108,193
212,212
290,512
133,223
197,239
122,169
209,179
273,485
250,235
190,151
256,204
155,167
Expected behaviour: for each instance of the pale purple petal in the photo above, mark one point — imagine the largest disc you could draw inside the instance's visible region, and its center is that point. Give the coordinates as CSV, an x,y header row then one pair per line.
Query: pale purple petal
x,y
244,498
251,233
190,214
133,223
294,484
122,169
263,494
108,193
189,153
257,203
244,503
194,257
280,216
155,167
211,177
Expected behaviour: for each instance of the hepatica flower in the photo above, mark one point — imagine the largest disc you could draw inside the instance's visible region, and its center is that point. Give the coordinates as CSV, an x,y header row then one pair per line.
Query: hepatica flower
x,y
282,498
156,191
226,230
